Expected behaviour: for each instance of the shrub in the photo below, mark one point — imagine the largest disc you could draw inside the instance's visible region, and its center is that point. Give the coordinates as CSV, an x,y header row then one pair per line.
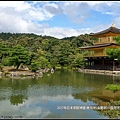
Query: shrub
x,y
34,67
112,87
1,67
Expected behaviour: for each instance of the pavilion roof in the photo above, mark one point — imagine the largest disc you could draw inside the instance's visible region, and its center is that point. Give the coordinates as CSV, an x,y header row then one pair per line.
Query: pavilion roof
x,y
99,45
112,29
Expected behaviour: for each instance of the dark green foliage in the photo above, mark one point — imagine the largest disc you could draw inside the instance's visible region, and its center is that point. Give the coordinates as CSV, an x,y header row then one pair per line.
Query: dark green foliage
x,y
68,38
45,51
82,40
1,67
117,39
65,51
114,52
78,61
18,55
6,62
43,62
7,36
34,67
111,113
4,51
39,63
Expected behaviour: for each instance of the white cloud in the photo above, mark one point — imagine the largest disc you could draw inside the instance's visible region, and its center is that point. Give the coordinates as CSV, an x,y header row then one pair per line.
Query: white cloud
x,y
37,112
23,16
19,22
77,12
18,17
53,8
32,108
11,22
64,32
106,7
117,22
22,110
92,3
17,5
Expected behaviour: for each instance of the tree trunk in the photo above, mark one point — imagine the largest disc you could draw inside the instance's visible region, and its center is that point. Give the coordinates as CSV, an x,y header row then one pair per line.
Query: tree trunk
x,y
18,66
1,58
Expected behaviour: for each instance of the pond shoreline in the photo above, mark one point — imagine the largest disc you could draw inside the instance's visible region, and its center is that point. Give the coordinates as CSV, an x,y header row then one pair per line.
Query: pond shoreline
x,y
39,73
103,72
63,88
18,73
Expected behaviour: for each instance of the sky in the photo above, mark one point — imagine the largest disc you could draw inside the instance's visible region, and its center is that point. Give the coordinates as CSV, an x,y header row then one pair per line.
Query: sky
x,y
58,18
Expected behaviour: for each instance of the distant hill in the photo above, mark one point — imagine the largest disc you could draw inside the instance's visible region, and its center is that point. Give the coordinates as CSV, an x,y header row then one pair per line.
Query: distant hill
x,y
68,38
80,40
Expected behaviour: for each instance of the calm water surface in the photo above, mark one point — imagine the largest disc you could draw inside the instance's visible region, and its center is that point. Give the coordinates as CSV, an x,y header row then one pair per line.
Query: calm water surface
x,y
52,95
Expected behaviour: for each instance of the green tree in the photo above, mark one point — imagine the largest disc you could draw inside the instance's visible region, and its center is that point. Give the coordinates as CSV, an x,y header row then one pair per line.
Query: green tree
x,y
117,39
65,51
41,62
78,61
4,51
18,55
1,67
51,48
82,40
114,52
34,66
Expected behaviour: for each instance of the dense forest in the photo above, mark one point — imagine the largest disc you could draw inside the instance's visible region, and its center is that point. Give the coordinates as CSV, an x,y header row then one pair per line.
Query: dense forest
x,y
37,51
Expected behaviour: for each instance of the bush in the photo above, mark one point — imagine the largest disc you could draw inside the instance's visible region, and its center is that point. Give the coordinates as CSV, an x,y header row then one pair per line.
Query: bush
x,y
112,87
6,62
1,67
34,67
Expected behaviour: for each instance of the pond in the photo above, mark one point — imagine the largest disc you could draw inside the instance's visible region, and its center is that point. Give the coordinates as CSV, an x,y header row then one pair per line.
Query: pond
x,y
62,94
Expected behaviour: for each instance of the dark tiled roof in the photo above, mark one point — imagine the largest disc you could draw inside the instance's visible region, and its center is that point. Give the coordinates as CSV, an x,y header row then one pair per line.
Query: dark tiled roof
x,y
111,29
99,45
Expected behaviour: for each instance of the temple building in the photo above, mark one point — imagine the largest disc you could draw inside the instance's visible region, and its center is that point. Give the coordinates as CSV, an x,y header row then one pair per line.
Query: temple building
x,y
96,57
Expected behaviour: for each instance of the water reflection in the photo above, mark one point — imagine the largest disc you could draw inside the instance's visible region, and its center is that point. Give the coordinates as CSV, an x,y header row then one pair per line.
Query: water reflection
x,y
39,97
17,99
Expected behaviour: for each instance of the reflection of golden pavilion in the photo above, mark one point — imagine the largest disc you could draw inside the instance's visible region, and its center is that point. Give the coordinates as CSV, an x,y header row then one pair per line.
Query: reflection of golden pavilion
x,y
96,57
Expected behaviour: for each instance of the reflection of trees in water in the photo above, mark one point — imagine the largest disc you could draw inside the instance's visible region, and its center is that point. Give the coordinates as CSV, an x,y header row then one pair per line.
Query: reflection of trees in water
x,y
110,113
76,79
116,79
82,97
14,89
61,77
64,82
110,99
113,110
98,79
102,99
17,99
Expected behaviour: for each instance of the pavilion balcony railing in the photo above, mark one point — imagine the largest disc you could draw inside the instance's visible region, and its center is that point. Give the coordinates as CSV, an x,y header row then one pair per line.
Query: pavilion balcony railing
x,y
104,41
95,55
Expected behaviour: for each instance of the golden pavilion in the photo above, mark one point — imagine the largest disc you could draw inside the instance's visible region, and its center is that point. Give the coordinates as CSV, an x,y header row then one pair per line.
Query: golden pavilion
x,y
96,57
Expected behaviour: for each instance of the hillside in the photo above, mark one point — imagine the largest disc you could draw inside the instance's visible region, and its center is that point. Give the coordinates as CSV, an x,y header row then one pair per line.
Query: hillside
x,y
37,51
